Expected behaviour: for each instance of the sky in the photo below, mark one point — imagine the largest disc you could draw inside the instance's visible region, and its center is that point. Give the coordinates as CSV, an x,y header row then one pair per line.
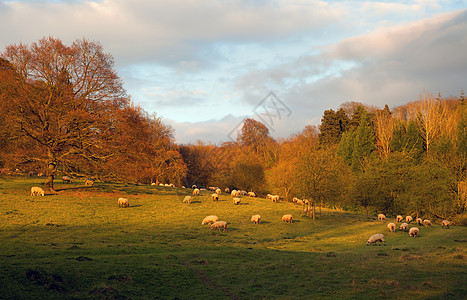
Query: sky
x,y
204,66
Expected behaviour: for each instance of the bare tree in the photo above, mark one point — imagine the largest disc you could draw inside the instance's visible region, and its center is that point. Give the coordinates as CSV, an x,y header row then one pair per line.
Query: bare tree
x,y
384,128
66,99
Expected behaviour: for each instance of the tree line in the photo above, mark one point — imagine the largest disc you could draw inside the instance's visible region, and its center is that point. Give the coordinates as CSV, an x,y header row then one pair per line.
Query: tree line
x,y
63,110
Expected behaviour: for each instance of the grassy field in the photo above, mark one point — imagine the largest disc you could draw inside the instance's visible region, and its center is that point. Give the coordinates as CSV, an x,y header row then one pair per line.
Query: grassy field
x,y
79,244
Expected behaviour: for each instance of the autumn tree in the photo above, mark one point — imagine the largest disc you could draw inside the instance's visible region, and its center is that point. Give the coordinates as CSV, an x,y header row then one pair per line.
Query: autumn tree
x,y
255,137
66,100
428,114
384,127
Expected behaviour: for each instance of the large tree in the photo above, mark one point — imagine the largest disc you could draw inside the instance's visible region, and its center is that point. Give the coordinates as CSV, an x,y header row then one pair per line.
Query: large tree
x,y
65,100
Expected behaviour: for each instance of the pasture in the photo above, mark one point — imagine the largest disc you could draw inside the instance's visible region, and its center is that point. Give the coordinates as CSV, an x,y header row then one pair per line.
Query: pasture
x,y
78,244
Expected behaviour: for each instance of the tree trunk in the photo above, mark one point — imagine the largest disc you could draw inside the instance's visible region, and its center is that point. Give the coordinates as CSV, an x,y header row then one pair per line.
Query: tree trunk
x,y
366,211
51,171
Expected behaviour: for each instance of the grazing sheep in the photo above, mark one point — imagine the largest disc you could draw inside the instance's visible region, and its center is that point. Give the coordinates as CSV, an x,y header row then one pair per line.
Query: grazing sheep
x,y
212,188
287,218
123,202
256,219
161,184
187,199
215,197
209,219
227,190
237,201
392,227
427,223
66,179
446,224
37,191
218,225
235,193
408,219
89,182
275,198
300,202
195,192
381,217
194,186
419,221
251,194
379,237
295,199
404,226
413,232
153,183
218,191
268,196
399,218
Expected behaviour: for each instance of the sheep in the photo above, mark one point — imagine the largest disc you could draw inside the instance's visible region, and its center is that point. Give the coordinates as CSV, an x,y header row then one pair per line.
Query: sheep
x,y
123,202
187,199
218,225
287,218
399,218
237,201
413,232
419,221
161,184
404,226
36,191
300,202
194,186
235,193
227,190
195,192
408,219
209,219
268,196
295,199
427,223
89,182
66,179
392,227
381,217
153,183
256,219
251,194
379,237
218,191
212,188
446,224
275,198
214,197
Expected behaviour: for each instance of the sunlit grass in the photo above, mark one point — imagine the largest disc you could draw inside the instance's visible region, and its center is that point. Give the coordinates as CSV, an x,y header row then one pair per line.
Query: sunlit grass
x,y
80,244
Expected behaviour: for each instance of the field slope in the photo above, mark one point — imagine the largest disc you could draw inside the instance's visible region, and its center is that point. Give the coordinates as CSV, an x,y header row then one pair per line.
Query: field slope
x,y
79,244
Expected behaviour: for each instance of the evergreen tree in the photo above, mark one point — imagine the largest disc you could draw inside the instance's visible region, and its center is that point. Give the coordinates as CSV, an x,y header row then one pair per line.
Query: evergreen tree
x,y
333,124
364,143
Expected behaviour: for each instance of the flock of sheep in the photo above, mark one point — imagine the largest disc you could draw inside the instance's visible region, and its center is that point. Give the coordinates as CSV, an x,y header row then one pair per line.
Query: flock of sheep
x,y
216,224
413,231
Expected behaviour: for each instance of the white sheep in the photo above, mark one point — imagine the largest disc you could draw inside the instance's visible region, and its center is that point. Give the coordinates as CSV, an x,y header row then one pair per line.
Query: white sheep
x,y
446,224
419,221
209,219
300,202
268,196
187,199
275,198
161,184
251,194
123,202
194,186
227,190
66,179
392,227
256,219
89,182
218,191
413,232
408,219
195,192
218,225
214,197
404,226
399,218
427,223
381,217
36,191
235,193
237,201
287,218
379,237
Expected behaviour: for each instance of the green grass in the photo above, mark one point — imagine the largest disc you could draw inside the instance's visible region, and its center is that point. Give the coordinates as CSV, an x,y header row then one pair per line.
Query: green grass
x,y
79,244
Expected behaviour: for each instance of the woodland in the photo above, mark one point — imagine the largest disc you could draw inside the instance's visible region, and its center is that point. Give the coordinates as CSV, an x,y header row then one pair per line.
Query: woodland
x,y
64,111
